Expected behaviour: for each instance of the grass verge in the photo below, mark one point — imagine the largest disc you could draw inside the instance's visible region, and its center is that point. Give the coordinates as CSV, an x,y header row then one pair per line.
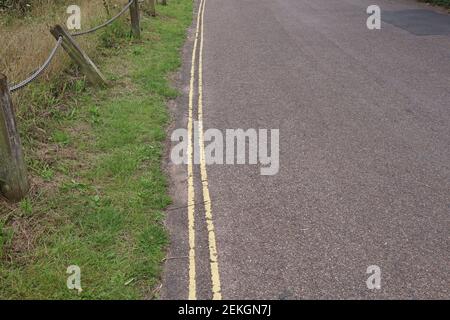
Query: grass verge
x,y
443,3
99,191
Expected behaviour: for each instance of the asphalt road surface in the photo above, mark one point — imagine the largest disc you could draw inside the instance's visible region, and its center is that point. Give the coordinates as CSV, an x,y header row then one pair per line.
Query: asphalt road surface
x,y
364,178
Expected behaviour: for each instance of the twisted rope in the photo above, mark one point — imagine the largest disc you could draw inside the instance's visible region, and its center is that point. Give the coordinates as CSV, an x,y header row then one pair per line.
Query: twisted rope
x,y
39,71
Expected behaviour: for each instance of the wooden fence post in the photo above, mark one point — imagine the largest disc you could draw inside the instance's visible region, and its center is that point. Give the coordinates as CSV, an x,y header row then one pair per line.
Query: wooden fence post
x,y
135,26
151,7
91,71
13,174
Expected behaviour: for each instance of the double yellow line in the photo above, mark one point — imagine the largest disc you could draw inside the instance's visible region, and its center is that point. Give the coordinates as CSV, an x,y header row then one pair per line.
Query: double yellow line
x,y
214,264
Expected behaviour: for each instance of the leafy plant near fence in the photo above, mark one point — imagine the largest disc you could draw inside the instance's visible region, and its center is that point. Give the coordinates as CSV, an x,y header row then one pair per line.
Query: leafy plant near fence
x,y
444,3
20,7
15,5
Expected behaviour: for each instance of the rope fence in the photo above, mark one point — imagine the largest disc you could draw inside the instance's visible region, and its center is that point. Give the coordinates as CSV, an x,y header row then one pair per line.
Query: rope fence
x,y
41,69
13,174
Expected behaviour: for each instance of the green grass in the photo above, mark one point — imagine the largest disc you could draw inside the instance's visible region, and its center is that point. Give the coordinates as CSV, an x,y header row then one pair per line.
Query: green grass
x,y
444,3
100,198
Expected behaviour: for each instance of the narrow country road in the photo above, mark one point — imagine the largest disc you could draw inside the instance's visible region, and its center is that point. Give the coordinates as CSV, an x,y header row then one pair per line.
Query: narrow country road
x,y
364,178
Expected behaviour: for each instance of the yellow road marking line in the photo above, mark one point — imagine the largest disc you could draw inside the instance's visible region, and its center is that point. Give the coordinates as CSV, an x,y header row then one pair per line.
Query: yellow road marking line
x,y
191,192
214,263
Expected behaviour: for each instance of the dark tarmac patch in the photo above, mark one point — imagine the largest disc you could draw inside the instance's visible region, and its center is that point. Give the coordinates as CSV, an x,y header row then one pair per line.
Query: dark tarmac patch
x,y
419,22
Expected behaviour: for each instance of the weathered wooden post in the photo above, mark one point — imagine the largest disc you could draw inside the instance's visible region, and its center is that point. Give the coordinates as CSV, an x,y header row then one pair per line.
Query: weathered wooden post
x,y
151,7
91,71
13,174
135,25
